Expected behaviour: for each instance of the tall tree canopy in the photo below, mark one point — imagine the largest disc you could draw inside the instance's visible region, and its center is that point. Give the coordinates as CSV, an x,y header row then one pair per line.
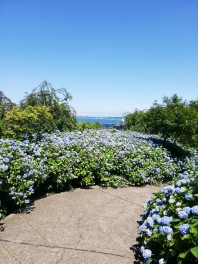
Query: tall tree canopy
x,y
58,102
5,104
174,118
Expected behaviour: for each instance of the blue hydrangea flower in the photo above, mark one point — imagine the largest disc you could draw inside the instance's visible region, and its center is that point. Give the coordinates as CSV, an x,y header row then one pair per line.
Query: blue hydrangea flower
x,y
149,201
6,160
183,175
187,210
182,215
143,228
166,230
177,189
146,253
156,217
184,229
159,202
4,167
184,181
194,210
168,189
188,196
149,232
165,220
149,221
154,210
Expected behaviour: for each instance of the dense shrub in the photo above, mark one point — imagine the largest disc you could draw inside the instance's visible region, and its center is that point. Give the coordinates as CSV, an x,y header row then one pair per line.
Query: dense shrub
x,y
170,221
88,125
58,160
19,122
174,119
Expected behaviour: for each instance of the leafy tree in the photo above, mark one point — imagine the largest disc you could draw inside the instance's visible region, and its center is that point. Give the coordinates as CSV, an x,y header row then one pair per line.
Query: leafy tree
x,y
58,102
5,105
173,118
32,120
166,119
194,104
136,121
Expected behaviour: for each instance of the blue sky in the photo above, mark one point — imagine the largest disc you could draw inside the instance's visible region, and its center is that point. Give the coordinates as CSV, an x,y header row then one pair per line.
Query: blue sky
x,y
112,55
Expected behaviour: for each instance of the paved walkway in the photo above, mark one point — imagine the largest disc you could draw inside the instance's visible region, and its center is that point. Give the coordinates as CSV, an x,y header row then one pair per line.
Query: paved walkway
x,y
96,226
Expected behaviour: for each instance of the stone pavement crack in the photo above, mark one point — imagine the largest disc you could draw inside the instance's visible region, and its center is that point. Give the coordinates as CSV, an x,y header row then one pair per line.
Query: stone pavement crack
x,y
14,258
61,257
66,248
78,227
123,199
36,230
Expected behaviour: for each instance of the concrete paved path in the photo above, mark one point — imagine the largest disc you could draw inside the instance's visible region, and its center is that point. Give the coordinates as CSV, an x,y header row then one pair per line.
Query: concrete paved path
x,y
96,226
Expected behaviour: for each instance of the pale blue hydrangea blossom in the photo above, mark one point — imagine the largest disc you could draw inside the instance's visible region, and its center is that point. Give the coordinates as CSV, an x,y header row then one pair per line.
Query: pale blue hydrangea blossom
x,y
184,229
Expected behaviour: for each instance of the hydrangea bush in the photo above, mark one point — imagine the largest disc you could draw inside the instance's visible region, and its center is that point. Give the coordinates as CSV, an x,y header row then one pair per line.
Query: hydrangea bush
x,y
170,221
105,157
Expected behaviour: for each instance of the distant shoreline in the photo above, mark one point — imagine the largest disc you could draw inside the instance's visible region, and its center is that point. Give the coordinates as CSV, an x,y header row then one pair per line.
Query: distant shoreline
x,y
103,120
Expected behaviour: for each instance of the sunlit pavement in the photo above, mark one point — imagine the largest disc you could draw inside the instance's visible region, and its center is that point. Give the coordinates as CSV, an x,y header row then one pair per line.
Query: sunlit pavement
x,y
81,226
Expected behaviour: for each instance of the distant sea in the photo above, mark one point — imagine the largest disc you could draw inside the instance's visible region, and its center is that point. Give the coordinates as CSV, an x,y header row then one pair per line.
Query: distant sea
x,y
105,121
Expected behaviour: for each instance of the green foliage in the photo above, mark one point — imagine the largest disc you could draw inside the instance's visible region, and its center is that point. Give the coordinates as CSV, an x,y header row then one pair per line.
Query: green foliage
x,y
170,227
88,125
5,105
136,121
30,120
57,101
174,119
59,160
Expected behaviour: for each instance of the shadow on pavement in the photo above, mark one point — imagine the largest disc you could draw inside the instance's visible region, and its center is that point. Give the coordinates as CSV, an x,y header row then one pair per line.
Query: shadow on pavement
x,y
136,248
1,227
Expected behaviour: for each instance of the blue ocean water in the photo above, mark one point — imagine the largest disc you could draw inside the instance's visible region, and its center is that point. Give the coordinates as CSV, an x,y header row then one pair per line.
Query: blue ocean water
x,y
105,121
